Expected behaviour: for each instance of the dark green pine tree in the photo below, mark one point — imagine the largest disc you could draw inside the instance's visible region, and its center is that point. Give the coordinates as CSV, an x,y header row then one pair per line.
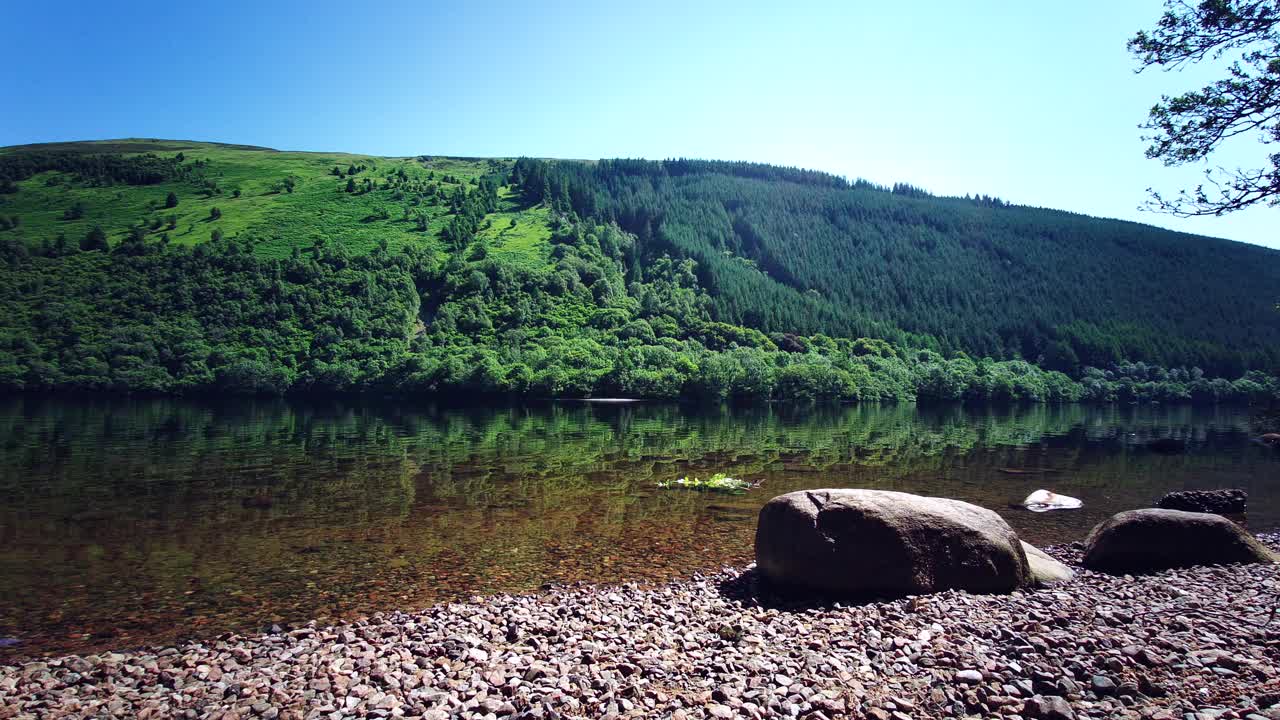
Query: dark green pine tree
x,y
96,239
562,197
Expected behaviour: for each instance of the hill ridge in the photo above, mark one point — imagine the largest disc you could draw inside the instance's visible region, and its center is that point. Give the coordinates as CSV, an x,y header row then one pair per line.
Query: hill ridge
x,y
620,276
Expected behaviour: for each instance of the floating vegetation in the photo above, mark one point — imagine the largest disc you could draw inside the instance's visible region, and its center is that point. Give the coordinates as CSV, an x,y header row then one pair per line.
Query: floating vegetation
x,y
719,482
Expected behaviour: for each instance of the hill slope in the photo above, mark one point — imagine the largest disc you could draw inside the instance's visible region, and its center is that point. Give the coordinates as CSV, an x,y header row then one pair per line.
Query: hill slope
x,y
788,250
179,266
281,200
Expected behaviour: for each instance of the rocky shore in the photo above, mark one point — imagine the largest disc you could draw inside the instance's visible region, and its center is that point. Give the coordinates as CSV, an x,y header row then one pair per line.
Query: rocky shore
x,y
1193,643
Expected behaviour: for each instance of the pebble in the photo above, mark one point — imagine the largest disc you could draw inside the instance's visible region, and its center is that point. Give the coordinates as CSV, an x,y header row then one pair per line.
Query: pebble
x,y
1048,707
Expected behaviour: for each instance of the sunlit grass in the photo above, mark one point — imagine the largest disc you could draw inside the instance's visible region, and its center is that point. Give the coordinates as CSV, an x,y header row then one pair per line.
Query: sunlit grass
x,y
519,234
254,202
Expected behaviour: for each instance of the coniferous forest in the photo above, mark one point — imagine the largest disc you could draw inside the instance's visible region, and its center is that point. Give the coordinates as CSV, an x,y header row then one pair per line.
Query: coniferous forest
x,y
158,266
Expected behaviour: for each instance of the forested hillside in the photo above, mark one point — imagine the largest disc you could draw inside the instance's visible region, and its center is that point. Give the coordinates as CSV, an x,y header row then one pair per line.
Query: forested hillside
x,y
164,266
798,251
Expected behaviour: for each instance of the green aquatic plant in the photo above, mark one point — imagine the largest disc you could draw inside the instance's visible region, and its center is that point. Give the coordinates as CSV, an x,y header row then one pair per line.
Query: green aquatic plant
x,y
719,482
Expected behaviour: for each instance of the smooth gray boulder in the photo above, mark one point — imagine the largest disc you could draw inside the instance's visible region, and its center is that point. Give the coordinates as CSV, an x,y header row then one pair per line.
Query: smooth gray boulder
x,y
880,542
1044,569
1140,541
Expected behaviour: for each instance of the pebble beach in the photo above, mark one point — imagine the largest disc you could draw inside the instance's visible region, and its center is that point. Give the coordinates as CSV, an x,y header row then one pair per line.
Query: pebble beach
x,y
1191,644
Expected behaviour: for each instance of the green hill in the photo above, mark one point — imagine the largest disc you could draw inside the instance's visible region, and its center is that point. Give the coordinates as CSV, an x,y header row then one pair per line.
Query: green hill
x,y
173,266
799,251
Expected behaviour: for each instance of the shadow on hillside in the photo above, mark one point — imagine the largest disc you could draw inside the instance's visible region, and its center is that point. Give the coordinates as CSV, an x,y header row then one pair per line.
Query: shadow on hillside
x,y
519,204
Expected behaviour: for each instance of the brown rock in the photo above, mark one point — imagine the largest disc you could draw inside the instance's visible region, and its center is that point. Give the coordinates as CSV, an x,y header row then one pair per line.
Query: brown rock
x,y
1147,540
877,541
1048,707
1222,502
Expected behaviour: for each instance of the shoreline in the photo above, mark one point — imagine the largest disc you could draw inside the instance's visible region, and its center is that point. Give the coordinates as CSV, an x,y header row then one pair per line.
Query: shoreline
x,y
720,645
464,399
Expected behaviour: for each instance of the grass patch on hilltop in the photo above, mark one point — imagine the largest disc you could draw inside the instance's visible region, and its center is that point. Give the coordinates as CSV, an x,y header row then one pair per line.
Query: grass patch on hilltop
x,y
281,200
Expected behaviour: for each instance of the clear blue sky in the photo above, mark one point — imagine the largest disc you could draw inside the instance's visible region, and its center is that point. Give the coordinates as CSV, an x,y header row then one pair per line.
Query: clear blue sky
x,y
1034,102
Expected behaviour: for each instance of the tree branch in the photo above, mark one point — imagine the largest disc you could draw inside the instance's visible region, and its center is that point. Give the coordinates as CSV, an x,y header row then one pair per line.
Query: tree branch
x,y
1189,127
1189,33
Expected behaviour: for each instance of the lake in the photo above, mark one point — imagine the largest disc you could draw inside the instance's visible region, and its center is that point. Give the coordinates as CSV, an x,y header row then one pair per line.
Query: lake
x,y
137,521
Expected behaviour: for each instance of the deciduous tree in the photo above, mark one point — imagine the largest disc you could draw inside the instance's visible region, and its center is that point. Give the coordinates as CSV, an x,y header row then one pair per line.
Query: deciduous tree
x,y
1189,127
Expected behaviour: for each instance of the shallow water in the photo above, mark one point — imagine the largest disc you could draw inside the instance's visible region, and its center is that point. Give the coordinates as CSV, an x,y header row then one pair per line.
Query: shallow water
x,y
130,522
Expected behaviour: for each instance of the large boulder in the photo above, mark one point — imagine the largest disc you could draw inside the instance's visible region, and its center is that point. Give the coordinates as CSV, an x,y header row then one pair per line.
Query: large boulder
x,y
1147,540
1222,502
878,542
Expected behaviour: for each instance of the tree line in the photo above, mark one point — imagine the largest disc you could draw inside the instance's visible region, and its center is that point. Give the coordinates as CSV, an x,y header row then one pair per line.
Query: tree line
x,y
90,168
147,316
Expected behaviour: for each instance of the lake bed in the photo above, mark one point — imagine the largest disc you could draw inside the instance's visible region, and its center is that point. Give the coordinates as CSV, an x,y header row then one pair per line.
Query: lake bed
x,y
140,521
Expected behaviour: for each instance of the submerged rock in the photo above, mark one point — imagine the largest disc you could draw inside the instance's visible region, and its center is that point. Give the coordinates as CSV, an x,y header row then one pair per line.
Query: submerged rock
x,y
884,542
1045,500
259,502
1167,445
1155,539
1222,502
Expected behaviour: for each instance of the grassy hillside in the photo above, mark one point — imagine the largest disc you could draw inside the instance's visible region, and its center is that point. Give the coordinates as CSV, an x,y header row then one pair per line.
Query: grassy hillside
x,y
169,266
280,200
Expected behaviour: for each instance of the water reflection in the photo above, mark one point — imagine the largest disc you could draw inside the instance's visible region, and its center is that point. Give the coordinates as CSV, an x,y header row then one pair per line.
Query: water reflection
x,y
130,521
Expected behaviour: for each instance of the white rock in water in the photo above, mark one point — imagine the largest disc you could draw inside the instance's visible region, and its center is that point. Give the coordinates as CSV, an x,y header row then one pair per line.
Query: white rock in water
x,y
1044,500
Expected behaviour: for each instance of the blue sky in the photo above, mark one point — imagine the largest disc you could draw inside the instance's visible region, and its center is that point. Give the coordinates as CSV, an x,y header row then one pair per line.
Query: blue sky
x,y
1034,102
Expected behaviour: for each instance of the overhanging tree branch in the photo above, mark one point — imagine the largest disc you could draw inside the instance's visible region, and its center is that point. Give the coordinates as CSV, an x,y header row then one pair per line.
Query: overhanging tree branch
x,y
1190,32
1189,127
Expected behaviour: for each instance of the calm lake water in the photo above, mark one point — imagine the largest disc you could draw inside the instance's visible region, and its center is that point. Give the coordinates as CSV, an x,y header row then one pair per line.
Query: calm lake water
x,y
129,522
